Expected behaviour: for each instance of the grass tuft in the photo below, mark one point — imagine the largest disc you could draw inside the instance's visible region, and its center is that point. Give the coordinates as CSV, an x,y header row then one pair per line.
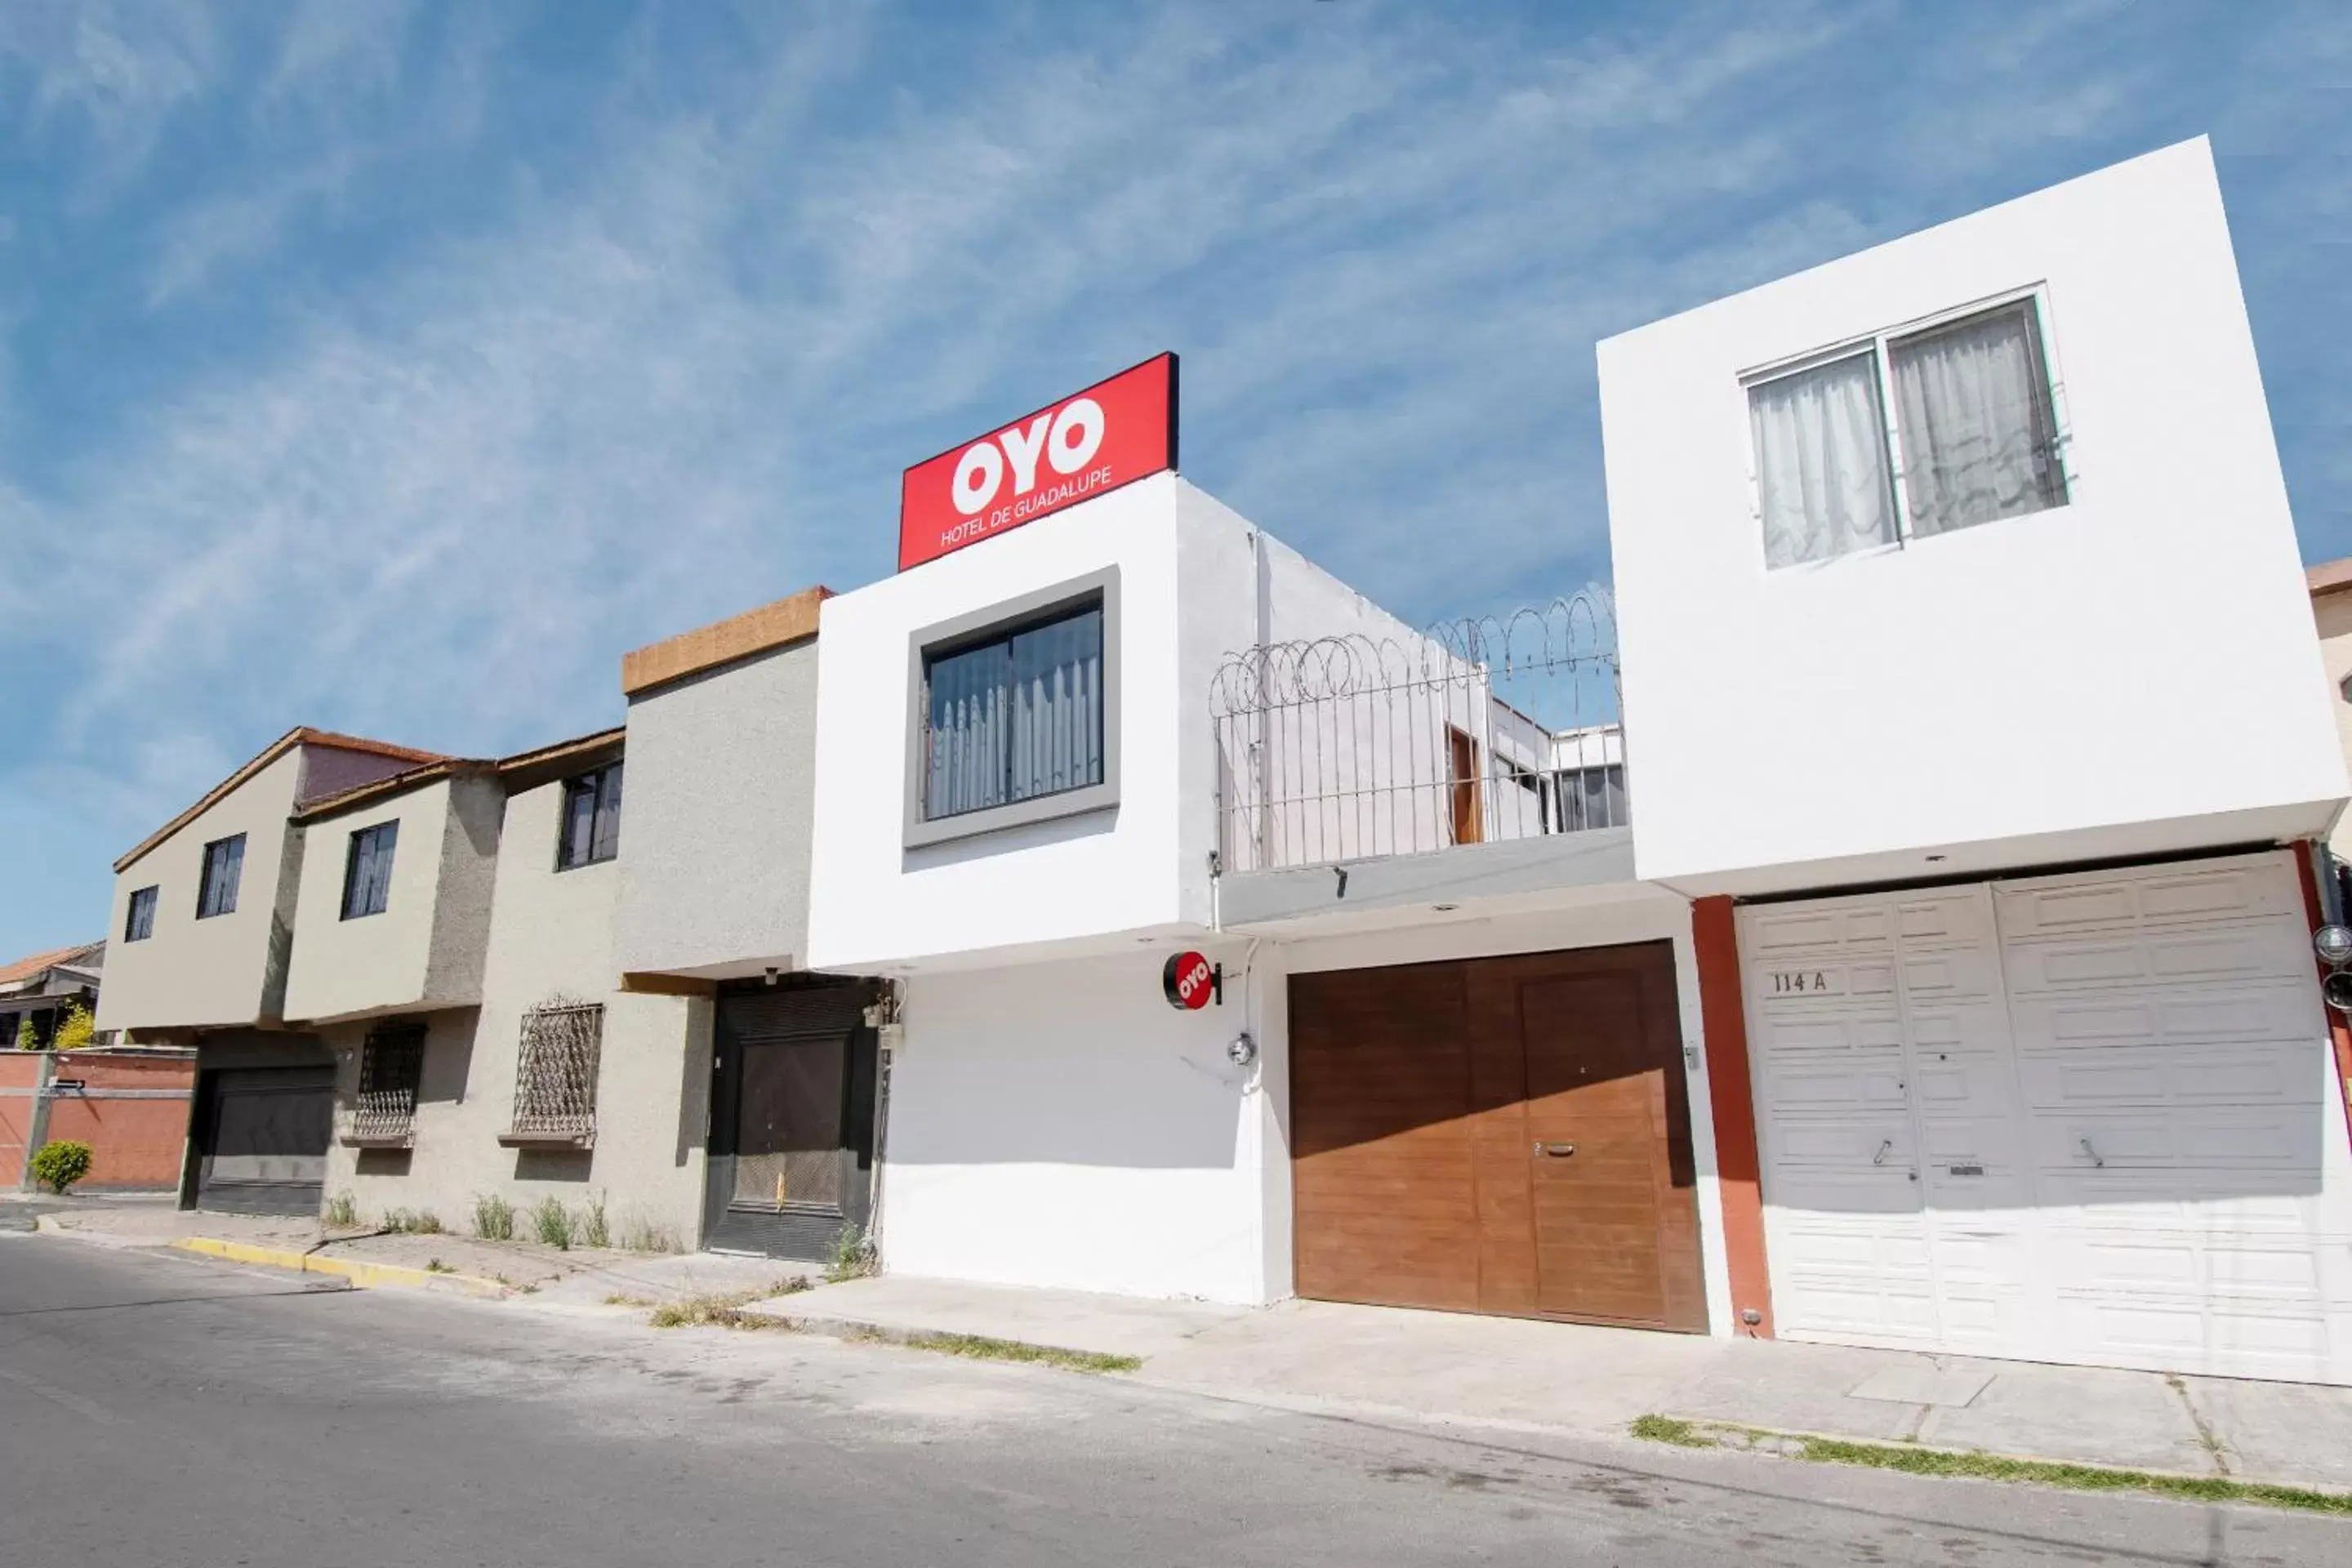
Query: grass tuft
x,y
1912,1459
722,1309
1669,1429
980,1347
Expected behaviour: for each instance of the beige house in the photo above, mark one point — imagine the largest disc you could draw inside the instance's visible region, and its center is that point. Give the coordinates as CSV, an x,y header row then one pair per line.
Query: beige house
x,y
202,930
453,945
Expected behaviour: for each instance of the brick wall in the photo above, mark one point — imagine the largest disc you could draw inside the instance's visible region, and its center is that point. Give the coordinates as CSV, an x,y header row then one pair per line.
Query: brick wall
x,y
133,1112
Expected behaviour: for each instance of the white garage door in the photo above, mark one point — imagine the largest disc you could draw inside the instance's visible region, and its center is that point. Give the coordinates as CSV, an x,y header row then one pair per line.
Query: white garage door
x,y
2086,1118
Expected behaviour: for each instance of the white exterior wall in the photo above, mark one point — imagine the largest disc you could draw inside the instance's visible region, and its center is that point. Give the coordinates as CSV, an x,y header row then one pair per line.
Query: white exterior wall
x,y
2011,692
1060,1125
1191,590
208,973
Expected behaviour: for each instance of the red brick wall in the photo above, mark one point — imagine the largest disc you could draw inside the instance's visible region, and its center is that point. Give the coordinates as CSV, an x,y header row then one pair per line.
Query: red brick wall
x,y
135,1142
17,1069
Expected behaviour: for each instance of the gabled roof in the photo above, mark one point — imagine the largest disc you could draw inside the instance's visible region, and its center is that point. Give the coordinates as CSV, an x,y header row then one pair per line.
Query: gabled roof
x,y
40,962
301,735
521,771
361,795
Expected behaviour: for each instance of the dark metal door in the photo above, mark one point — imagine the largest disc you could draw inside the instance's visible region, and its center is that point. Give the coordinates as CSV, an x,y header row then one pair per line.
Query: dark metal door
x,y
263,1134
792,1126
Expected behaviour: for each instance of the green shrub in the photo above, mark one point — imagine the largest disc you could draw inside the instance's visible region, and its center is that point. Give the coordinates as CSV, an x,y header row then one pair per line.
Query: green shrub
x,y
411,1222
74,1029
853,1255
549,1222
24,1040
343,1212
494,1217
60,1163
590,1228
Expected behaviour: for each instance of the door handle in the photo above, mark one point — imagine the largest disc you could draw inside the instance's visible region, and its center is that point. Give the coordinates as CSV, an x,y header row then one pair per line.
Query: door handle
x,y
1885,1149
2094,1153
1557,1150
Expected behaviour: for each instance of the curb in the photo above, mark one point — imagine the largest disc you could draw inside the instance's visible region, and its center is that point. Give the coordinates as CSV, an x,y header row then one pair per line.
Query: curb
x,y
360,1275
1740,1438
827,1326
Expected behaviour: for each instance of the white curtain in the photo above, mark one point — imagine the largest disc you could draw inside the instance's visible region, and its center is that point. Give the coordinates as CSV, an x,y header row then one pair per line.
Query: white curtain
x,y
1820,456
1976,432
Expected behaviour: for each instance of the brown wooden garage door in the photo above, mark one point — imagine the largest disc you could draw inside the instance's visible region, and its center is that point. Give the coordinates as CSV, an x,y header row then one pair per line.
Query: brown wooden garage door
x,y
1497,1135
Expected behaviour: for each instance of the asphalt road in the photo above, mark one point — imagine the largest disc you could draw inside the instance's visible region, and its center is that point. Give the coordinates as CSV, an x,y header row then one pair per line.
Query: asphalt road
x,y
156,1408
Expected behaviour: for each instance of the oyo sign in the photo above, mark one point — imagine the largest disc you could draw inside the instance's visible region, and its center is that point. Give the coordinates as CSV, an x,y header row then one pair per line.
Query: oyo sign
x,y
1087,445
1187,981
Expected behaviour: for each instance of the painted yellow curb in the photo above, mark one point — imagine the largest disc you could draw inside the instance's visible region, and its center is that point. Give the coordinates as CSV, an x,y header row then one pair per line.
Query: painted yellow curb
x,y
361,1276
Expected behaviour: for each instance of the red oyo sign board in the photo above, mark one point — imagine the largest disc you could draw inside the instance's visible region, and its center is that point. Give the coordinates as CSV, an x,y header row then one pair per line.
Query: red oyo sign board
x,y
1187,981
1087,445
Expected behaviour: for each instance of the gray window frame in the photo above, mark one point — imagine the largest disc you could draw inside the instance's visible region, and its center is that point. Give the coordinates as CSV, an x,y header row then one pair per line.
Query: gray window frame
x,y
596,783
352,868
142,901
1010,616
212,898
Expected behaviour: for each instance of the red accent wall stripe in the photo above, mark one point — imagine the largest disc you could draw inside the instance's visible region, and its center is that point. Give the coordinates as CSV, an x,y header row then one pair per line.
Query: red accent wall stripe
x,y
1715,940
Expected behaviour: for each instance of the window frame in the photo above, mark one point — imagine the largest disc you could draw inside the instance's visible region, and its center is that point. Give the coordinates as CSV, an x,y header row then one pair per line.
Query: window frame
x,y
1095,590
133,929
1879,345
597,780
351,865
206,886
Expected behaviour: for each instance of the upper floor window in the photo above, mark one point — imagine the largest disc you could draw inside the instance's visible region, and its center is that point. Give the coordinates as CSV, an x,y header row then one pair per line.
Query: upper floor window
x,y
1014,716
140,924
592,818
367,870
1961,414
224,865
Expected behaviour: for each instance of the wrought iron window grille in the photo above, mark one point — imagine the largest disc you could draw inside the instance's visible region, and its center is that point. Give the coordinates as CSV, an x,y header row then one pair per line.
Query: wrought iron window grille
x,y
392,1065
555,1075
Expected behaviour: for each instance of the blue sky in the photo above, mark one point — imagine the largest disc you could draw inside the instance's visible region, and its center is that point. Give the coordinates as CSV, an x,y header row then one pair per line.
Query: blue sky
x,y
393,367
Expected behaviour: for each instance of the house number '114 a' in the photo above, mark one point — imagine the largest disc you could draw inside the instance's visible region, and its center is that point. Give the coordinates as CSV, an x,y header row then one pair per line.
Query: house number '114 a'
x,y
1785,981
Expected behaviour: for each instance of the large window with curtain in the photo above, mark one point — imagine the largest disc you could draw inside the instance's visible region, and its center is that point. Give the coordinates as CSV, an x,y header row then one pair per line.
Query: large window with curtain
x,y
1015,715
1908,435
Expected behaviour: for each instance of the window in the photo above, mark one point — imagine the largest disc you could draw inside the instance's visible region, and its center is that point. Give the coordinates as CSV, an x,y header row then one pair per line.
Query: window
x,y
367,873
391,1064
140,923
1592,797
1960,414
1015,718
591,819
555,1075
224,864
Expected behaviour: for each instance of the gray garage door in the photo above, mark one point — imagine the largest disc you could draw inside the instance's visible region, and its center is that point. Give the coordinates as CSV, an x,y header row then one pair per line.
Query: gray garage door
x,y
264,1140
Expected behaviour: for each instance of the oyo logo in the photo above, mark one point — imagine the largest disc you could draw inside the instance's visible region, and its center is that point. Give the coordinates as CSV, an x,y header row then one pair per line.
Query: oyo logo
x,y
1189,980
1084,446
1067,437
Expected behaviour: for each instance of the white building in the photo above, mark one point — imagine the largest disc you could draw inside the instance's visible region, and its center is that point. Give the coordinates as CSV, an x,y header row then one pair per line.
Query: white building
x,y
1930,999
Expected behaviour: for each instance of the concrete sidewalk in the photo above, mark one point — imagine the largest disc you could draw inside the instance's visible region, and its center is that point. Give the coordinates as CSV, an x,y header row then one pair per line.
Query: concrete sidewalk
x,y
1514,1373
548,1275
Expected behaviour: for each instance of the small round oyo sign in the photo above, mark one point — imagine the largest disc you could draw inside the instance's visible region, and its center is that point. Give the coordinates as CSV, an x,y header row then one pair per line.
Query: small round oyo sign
x,y
1189,980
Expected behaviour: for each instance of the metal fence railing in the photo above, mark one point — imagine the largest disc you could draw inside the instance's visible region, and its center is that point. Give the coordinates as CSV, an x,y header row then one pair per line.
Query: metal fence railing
x,y
1347,748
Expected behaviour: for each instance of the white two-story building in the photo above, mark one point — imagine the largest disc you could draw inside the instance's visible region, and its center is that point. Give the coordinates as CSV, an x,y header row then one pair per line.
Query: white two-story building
x,y
1909,943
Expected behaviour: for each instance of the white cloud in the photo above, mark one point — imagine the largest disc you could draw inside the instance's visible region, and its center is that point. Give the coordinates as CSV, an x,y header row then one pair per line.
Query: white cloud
x,y
675,369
